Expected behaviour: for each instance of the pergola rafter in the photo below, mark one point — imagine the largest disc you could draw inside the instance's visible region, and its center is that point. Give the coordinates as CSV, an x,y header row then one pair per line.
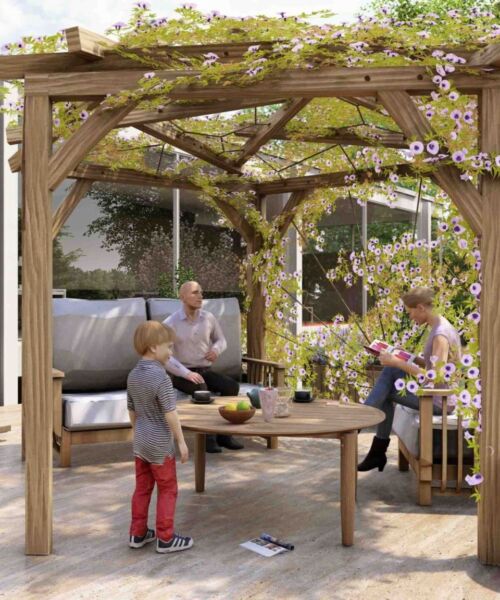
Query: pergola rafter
x,y
265,132
188,143
94,68
414,124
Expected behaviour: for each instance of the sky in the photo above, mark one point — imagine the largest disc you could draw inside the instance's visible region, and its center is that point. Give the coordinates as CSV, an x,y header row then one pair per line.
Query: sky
x,y
41,17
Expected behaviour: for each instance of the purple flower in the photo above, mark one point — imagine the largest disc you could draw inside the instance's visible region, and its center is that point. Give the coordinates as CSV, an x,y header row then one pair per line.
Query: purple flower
x,y
475,317
456,114
444,85
473,373
84,115
399,384
433,147
476,479
476,401
149,75
412,386
443,227
143,5
431,375
475,289
478,385
468,117
497,160
453,96
464,397
467,360
119,25
429,113
417,147
458,156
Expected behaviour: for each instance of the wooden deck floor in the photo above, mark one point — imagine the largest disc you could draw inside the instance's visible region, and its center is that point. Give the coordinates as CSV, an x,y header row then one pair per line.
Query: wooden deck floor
x,y
401,551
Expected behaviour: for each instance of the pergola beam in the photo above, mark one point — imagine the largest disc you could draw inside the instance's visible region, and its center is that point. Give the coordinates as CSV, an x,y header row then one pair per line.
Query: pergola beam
x,y
486,56
168,113
414,124
104,174
265,132
86,43
90,51
189,144
325,180
77,191
325,82
387,139
74,150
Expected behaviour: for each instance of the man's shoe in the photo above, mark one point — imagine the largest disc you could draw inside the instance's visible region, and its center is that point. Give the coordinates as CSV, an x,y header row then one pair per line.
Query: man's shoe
x,y
227,441
137,541
176,544
211,445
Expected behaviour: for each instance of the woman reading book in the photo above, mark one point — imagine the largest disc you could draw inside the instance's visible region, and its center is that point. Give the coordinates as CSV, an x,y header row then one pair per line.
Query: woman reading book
x,y
443,345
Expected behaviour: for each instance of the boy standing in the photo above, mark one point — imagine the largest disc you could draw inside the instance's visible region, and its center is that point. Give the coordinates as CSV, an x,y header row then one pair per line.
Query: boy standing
x,y
155,422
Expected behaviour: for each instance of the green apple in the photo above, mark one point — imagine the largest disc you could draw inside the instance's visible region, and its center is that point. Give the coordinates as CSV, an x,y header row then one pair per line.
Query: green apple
x,y
244,405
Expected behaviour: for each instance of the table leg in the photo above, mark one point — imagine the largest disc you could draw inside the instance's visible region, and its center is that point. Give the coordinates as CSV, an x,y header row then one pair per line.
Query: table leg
x,y
199,461
348,442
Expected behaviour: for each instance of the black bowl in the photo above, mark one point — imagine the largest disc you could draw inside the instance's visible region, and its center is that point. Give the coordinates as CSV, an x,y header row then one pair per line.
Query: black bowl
x,y
202,397
302,396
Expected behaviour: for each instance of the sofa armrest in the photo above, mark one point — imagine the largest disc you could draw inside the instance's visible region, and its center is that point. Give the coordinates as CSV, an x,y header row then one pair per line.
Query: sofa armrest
x,y
57,407
258,371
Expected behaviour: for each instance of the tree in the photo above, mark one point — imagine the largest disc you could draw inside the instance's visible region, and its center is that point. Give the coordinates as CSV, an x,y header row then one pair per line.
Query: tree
x,y
406,10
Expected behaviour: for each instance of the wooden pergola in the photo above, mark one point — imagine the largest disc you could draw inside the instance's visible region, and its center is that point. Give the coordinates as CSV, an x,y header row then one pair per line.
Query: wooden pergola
x,y
91,69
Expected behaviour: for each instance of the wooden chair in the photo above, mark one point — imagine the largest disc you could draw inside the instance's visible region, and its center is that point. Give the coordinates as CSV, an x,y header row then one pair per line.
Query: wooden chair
x,y
423,464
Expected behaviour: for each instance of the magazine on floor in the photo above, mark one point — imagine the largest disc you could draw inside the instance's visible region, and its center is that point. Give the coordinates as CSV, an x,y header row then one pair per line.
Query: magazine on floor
x,y
263,547
377,346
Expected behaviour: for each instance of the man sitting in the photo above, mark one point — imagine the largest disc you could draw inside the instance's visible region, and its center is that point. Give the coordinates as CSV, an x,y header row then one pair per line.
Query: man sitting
x,y
199,341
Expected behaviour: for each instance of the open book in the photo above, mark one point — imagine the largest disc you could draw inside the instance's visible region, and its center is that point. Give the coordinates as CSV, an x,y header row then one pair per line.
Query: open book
x,y
377,346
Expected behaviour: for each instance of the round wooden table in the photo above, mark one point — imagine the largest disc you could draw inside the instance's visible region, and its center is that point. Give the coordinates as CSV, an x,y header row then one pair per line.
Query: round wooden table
x,y
315,419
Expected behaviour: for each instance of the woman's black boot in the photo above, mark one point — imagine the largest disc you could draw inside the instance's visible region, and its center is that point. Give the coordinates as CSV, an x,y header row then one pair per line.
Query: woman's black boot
x,y
376,457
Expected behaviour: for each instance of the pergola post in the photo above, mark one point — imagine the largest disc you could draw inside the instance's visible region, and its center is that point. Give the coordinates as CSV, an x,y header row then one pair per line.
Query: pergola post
x,y
488,513
37,322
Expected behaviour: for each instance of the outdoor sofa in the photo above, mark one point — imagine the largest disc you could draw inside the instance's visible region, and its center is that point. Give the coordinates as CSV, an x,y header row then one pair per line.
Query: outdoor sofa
x,y
93,347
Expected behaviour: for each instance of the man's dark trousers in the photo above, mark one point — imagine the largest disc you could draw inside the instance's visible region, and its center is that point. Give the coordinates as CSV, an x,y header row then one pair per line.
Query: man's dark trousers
x,y
215,382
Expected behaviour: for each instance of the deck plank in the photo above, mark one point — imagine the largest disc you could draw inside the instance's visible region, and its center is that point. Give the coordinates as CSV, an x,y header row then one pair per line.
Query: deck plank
x,y
400,551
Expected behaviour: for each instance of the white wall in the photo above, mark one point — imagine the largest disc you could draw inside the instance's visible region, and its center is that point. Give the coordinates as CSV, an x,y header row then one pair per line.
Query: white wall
x,y
9,196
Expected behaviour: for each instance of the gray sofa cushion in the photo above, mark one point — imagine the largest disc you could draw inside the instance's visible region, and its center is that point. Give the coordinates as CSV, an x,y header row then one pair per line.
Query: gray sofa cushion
x,y
93,341
227,312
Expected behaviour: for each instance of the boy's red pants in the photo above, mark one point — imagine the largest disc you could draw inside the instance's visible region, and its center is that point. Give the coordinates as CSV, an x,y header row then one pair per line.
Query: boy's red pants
x,y
146,474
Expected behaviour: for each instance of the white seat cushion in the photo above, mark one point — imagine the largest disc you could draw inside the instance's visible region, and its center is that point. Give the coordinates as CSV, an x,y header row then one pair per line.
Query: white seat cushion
x,y
406,426
102,410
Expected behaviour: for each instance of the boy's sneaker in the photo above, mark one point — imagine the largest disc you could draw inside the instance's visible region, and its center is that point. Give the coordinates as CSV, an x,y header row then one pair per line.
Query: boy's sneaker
x,y
176,544
137,541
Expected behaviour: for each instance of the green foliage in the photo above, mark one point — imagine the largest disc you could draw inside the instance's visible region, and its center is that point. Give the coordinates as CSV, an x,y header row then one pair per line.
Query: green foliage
x,y
165,284
405,10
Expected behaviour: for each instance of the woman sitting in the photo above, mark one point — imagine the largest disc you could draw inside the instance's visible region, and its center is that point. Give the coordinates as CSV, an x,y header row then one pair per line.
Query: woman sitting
x,y
443,345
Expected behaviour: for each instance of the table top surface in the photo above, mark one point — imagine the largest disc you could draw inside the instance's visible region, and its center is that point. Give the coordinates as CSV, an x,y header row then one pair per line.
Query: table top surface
x,y
320,417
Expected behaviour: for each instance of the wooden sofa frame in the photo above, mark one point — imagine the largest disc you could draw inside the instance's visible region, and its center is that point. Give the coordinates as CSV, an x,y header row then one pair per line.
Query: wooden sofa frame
x,y
425,469
257,371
